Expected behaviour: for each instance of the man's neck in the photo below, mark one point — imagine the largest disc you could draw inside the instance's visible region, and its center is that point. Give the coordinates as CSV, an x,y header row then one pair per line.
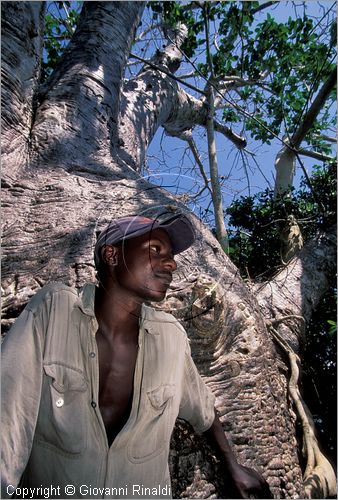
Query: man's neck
x,y
116,313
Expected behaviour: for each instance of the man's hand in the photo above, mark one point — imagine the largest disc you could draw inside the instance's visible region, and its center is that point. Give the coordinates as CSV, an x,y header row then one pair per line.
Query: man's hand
x,y
244,482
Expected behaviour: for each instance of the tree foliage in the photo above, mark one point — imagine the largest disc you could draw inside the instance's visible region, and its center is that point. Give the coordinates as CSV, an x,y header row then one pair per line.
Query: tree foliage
x,y
279,66
256,221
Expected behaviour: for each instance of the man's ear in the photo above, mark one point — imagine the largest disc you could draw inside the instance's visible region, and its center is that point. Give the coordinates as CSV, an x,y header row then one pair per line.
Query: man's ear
x,y
109,255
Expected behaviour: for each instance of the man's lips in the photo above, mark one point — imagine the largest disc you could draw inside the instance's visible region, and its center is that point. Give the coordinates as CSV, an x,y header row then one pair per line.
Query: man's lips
x,y
166,278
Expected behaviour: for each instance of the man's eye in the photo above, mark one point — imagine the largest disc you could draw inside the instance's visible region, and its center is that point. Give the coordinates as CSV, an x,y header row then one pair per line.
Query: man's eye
x,y
155,248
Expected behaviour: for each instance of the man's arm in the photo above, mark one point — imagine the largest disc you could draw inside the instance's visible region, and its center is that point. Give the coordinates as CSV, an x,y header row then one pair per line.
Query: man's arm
x,y
243,482
21,380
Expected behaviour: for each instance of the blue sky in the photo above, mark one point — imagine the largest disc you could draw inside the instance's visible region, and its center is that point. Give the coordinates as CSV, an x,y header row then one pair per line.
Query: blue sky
x,y
165,153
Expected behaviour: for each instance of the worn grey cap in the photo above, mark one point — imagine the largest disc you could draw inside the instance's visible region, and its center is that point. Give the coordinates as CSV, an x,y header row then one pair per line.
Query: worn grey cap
x,y
178,227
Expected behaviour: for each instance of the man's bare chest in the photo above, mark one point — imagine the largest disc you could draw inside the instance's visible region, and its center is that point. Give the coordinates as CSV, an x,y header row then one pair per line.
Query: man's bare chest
x,y
116,376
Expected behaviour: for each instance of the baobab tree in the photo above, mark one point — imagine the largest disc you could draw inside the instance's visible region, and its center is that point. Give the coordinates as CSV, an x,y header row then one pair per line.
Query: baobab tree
x,y
73,150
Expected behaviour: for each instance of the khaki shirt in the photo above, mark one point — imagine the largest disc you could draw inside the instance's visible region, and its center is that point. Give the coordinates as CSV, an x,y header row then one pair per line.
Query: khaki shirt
x,y
53,436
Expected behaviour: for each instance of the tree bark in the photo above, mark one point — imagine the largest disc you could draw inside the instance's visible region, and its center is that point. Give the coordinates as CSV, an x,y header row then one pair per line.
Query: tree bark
x,y
216,192
21,27
296,290
75,176
81,100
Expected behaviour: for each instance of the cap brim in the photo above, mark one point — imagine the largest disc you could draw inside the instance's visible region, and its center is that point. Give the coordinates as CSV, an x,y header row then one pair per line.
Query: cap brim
x,y
180,231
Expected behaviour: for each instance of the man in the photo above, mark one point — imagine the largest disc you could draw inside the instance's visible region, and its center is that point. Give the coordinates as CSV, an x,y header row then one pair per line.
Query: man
x,y
93,381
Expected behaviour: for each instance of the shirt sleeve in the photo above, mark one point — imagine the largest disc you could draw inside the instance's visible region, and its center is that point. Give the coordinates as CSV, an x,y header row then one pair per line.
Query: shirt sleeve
x,y
21,382
197,401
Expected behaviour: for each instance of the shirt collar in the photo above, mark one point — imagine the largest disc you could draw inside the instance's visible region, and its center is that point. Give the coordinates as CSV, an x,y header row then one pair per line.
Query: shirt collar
x,y
87,299
148,321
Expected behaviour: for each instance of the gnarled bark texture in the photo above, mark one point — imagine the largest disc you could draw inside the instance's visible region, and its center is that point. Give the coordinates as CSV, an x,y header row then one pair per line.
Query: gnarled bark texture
x,y
68,169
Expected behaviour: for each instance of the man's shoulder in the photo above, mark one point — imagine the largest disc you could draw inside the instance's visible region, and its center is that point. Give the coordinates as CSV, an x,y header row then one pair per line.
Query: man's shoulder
x,y
160,321
49,291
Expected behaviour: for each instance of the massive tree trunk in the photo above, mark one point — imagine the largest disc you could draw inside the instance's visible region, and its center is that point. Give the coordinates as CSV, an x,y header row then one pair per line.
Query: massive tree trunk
x,y
67,171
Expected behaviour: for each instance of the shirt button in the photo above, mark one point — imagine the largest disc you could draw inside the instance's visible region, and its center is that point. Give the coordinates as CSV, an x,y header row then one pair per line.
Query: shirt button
x,y
93,404
59,402
92,354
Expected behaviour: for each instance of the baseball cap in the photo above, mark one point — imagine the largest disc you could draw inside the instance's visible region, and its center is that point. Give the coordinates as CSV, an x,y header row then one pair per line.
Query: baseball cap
x,y
178,227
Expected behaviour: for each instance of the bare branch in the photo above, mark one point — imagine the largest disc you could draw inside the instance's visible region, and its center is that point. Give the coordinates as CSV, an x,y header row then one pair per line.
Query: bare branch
x,y
326,138
238,140
217,201
192,74
229,82
315,155
218,92
264,6
198,160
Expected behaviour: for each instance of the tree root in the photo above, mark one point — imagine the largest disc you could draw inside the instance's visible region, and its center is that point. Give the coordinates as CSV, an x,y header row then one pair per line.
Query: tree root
x,y
319,477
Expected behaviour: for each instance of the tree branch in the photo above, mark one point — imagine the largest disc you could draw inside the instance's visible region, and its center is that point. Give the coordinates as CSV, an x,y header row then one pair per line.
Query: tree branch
x,y
147,30
198,160
314,109
234,82
238,140
141,109
216,193
286,158
229,101
264,6
326,138
315,155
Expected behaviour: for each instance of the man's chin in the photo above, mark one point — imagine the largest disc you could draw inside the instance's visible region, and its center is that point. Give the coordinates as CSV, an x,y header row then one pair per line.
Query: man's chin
x,y
157,296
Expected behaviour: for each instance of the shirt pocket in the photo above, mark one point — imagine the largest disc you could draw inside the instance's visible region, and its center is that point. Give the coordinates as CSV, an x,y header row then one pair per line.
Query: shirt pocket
x,y
152,434
62,416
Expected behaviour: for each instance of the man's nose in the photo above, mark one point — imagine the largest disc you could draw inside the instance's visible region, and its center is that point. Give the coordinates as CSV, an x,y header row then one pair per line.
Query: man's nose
x,y
170,264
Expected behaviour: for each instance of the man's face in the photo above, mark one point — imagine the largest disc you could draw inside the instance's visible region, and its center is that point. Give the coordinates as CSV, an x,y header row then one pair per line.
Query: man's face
x,y
145,265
